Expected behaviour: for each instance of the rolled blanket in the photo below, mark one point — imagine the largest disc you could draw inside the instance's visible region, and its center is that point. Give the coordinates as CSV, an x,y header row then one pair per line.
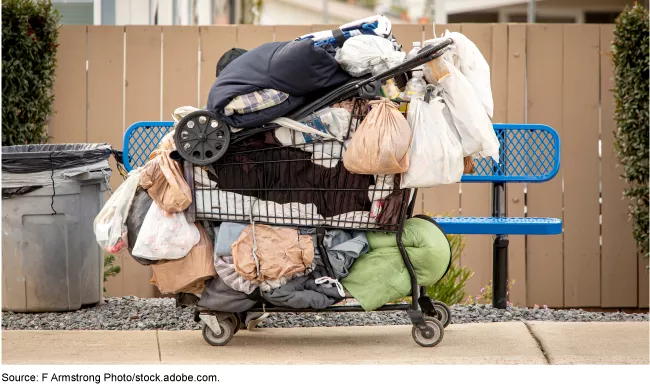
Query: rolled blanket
x,y
377,25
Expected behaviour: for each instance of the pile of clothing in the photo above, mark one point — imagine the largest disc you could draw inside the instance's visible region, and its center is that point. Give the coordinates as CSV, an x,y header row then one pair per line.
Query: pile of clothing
x,y
350,167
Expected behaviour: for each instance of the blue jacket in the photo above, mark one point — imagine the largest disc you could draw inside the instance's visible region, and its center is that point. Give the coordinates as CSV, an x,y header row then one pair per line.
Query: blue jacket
x,y
297,68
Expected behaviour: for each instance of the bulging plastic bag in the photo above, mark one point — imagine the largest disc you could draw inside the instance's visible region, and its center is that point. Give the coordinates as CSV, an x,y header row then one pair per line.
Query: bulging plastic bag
x,y
110,231
163,179
474,127
368,54
165,236
466,57
436,153
382,143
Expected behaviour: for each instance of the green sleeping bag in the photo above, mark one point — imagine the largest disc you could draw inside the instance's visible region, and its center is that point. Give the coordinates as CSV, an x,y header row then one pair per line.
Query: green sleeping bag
x,y
380,275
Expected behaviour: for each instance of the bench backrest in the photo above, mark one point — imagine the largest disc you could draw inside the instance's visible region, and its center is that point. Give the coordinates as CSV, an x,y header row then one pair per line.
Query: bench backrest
x,y
528,153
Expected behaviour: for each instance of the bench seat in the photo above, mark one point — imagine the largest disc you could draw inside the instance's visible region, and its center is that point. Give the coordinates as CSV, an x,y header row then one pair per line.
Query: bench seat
x,y
500,225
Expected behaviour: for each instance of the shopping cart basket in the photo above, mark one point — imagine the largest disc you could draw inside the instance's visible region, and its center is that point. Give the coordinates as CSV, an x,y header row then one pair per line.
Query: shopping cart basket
x,y
219,166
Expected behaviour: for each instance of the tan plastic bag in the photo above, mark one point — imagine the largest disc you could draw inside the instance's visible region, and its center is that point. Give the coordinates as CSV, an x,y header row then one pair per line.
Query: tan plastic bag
x,y
189,273
163,179
382,143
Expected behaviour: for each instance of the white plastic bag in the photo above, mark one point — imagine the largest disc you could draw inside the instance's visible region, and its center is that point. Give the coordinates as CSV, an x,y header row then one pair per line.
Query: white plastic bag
x,y
165,235
466,57
109,226
436,154
474,127
368,54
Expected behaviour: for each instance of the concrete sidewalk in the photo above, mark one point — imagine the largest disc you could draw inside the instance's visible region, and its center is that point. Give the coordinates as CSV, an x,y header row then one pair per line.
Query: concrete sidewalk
x,y
494,343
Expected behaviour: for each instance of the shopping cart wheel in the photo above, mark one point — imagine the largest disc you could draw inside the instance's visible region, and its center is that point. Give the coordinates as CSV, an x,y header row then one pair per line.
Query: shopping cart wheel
x,y
432,335
222,338
200,138
234,319
442,312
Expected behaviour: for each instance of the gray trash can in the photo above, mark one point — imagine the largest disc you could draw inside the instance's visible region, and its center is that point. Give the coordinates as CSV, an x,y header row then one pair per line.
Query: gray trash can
x,y
50,197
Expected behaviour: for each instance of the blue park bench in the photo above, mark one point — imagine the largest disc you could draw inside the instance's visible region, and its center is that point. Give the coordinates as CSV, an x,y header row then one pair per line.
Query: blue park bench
x,y
529,153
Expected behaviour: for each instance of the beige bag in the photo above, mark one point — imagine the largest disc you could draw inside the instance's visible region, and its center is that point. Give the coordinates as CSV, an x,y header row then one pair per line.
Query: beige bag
x,y
281,252
189,273
382,143
163,179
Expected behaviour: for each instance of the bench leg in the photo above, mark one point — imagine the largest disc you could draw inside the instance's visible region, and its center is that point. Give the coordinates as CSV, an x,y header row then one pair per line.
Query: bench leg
x,y
500,272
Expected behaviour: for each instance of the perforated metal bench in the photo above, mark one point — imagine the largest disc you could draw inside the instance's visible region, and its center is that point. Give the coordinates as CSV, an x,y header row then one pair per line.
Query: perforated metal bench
x,y
528,154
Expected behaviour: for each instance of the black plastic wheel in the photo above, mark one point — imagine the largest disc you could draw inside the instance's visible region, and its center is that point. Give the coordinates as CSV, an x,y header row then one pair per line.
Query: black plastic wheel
x,y
442,312
200,138
433,334
221,339
234,319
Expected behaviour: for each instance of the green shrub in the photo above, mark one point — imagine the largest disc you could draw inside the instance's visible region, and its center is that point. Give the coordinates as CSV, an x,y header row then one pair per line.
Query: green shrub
x,y
485,294
630,54
29,33
110,269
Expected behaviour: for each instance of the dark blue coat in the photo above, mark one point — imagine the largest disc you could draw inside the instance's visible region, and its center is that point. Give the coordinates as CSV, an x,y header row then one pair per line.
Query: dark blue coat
x,y
297,68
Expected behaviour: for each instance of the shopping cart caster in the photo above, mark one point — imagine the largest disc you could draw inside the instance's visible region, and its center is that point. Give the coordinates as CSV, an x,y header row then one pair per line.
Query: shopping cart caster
x,y
218,331
436,309
200,138
441,311
432,334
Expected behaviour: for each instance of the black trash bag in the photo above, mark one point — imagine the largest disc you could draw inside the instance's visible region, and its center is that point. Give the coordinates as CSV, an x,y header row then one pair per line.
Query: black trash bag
x,y
37,158
139,208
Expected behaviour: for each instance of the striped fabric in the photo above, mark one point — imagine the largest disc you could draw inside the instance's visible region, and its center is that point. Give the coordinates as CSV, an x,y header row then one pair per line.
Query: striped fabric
x,y
225,267
255,101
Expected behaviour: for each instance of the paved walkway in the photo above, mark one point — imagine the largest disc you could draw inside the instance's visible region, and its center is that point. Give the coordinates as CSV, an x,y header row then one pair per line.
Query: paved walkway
x,y
494,343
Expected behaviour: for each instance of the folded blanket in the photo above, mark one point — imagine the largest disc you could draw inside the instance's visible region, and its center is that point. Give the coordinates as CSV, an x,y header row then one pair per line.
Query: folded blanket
x,y
255,101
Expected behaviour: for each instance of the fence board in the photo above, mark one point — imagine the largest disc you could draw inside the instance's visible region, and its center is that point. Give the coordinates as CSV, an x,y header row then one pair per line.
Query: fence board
x,y
544,264
143,93
251,36
440,29
180,68
516,113
619,257
475,199
324,27
214,42
581,175
104,104
644,283
406,34
290,32
68,124
143,47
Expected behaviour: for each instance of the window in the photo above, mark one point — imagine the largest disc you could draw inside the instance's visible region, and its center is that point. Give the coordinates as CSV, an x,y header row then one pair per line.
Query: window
x,y
75,12
523,18
474,17
601,17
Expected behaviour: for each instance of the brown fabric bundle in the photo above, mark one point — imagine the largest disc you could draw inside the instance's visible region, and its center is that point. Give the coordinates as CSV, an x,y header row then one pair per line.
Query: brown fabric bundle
x,y
281,252
186,275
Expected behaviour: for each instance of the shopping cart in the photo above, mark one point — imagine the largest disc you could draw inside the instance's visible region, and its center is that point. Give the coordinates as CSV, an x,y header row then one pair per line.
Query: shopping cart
x,y
217,165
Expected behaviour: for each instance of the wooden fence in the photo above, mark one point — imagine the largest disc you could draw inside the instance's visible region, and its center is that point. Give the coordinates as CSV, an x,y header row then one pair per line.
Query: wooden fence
x,y
109,77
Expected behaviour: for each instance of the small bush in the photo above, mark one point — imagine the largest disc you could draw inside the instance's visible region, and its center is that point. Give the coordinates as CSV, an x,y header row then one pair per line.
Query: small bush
x,y
110,269
485,294
29,34
631,65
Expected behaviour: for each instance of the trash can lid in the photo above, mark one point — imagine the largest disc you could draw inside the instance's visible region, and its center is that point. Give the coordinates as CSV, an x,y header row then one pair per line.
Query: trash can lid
x,y
38,158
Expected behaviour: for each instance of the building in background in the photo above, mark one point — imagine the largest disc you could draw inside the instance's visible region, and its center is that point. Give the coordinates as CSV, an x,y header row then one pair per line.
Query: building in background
x,y
150,12
269,12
